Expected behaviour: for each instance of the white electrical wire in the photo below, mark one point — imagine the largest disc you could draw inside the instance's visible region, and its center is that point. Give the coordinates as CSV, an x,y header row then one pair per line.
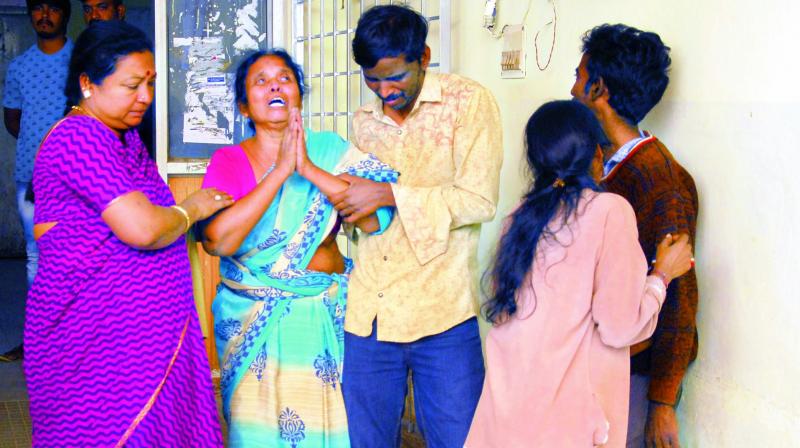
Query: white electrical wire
x,y
499,33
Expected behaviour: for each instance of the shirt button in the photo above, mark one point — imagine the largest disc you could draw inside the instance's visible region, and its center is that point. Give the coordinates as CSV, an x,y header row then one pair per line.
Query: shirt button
x,y
380,294
400,132
385,258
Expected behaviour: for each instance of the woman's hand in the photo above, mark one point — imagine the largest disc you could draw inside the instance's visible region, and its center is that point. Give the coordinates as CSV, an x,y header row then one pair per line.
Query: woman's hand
x,y
286,162
674,256
303,164
139,223
203,203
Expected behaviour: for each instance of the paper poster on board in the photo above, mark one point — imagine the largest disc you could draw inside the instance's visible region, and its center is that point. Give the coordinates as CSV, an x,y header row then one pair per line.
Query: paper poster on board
x,y
207,41
208,113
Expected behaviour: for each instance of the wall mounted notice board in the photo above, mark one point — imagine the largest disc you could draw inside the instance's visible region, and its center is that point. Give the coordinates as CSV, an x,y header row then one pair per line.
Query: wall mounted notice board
x,y
207,40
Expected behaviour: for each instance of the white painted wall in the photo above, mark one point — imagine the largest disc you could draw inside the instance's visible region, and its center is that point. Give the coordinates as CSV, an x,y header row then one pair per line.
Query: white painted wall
x,y
730,116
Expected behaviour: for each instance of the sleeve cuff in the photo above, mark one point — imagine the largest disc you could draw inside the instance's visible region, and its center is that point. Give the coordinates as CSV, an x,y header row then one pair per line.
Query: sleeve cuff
x,y
426,220
664,391
384,215
655,283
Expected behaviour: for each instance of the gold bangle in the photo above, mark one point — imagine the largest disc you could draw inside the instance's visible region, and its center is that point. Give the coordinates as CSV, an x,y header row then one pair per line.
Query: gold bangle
x,y
185,214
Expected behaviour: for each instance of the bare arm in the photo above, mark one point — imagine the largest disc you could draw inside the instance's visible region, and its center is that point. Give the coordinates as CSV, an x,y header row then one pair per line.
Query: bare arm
x,y
11,118
227,231
139,223
327,183
362,198
331,186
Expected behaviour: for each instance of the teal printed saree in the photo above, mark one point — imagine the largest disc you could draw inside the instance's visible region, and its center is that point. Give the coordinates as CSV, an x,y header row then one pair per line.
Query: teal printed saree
x,y
279,327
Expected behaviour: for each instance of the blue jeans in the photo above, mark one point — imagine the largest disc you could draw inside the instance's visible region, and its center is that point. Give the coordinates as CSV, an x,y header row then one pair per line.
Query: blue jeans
x,y
25,209
447,373
638,410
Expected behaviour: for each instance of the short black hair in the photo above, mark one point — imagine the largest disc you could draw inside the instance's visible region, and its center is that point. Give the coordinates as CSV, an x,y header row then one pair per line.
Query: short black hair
x,y
633,64
387,31
240,84
96,53
65,6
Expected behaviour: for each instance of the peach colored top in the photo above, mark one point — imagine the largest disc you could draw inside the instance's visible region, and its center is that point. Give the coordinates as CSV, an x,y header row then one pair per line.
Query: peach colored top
x,y
558,370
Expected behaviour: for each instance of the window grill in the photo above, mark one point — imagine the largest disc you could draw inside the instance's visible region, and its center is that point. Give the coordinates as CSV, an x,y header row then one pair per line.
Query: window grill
x,y
322,32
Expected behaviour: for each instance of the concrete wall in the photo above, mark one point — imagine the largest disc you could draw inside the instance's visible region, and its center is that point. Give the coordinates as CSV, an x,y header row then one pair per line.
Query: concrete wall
x,y
16,36
730,116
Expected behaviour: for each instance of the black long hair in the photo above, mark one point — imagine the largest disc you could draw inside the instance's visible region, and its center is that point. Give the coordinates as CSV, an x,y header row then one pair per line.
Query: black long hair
x,y
561,140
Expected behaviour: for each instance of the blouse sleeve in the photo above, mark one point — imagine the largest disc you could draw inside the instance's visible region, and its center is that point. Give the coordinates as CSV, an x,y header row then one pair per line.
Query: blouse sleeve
x,y
91,161
626,301
227,173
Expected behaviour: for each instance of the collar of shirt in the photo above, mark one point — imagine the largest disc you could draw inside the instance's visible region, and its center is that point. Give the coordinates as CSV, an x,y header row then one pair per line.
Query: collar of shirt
x,y
67,48
431,93
623,152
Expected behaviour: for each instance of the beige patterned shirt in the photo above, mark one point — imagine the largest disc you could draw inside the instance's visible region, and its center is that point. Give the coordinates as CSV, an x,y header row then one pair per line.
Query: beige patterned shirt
x,y
420,277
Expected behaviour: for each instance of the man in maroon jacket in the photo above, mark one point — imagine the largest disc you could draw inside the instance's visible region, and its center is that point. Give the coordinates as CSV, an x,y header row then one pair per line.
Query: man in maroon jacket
x,y
622,75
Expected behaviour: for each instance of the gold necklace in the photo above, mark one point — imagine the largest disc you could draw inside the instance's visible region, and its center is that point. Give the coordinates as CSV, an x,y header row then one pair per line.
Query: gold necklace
x,y
87,113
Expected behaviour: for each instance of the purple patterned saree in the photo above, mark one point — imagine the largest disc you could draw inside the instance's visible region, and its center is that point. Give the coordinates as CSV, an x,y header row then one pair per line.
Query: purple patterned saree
x,y
113,348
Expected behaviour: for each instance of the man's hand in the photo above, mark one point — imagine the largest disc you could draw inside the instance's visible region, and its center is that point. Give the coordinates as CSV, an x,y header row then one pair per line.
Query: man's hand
x,y
662,427
12,118
362,198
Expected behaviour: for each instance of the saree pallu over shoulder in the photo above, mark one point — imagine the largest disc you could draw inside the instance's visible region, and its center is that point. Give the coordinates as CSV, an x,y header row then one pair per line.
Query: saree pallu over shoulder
x,y
280,327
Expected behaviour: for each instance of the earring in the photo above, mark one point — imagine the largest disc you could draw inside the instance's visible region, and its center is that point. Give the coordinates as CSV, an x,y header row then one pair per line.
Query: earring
x,y
87,94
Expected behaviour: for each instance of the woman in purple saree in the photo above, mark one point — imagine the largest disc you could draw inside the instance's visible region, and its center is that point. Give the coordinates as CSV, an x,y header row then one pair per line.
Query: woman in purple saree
x,y
114,352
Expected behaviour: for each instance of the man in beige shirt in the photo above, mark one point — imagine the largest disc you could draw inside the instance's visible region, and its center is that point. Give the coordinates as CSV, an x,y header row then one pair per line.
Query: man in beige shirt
x,y
413,294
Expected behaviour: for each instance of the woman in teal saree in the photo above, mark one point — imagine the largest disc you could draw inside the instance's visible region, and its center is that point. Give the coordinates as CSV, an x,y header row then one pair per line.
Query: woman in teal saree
x,y
279,311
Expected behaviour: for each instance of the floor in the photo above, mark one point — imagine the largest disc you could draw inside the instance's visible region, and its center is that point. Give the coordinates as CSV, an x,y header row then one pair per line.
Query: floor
x,y
15,426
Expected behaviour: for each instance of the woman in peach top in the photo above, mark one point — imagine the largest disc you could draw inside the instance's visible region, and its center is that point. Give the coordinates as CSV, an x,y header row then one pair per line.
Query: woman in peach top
x,y
570,293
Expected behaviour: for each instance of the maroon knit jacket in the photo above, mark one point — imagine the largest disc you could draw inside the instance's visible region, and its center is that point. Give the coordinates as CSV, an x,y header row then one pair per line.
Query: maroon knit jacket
x,y
664,197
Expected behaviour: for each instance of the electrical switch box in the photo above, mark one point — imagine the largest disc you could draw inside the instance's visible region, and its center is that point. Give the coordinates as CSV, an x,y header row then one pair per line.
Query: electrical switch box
x,y
512,61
